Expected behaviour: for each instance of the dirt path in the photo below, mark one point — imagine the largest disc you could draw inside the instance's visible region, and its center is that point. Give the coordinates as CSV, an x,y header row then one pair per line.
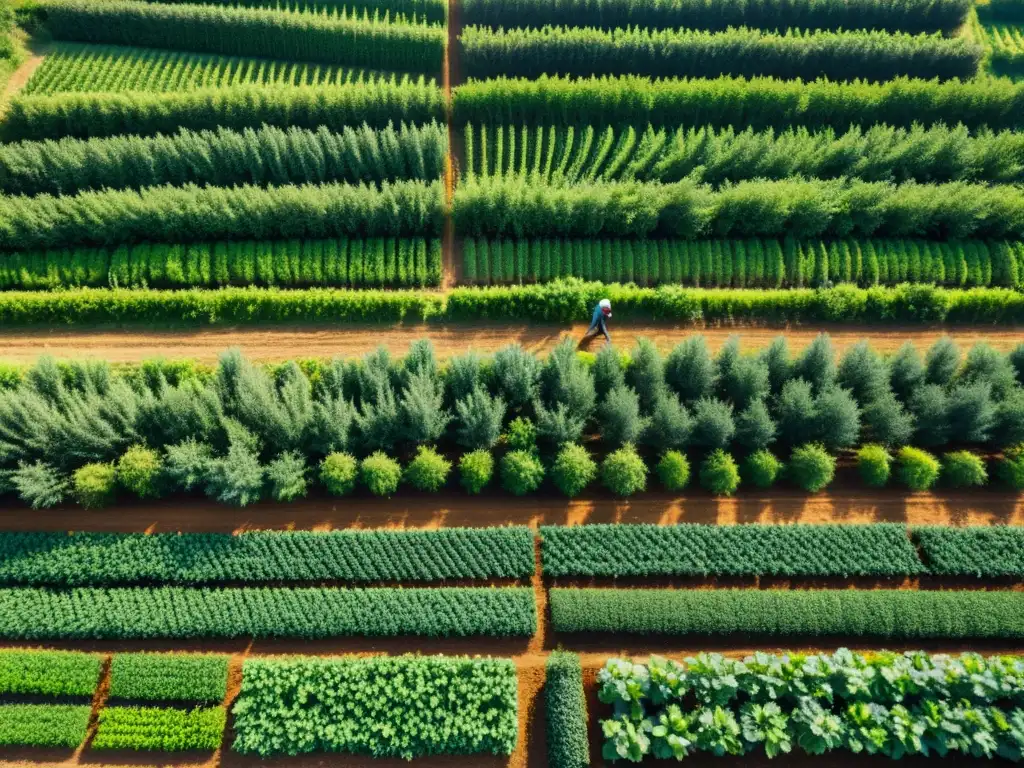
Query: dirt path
x,y
20,76
284,343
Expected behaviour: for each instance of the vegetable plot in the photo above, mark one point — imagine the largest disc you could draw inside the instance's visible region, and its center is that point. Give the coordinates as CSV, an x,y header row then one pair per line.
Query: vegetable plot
x,y
165,730
49,673
168,677
43,725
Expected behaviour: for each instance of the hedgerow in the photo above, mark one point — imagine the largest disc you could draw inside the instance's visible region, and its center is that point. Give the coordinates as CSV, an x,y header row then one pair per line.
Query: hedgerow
x,y
191,213
742,52
748,263
101,559
566,707
429,10
168,677
43,725
919,16
93,115
337,37
160,729
690,549
405,706
49,673
759,103
314,612
888,614
262,156
981,551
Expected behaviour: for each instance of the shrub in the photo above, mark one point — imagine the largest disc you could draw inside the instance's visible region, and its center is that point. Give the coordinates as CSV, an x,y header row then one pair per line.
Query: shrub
x,y
917,469
962,469
761,469
573,470
138,471
669,424
874,463
755,428
623,472
287,476
428,471
338,472
719,474
1011,467
673,471
478,417
620,418
187,464
521,472
521,435
39,484
713,425
93,485
380,473
812,467
475,470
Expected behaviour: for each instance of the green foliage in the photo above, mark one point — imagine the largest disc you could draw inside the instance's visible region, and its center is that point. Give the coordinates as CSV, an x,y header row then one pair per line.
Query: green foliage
x,y
404,706
566,708
980,551
521,435
719,473
623,472
573,470
160,729
94,485
428,471
380,474
761,469
1011,467
811,467
338,473
49,673
673,471
139,471
963,469
874,463
619,416
43,725
475,470
917,469
478,417
168,677
521,472
286,475
39,484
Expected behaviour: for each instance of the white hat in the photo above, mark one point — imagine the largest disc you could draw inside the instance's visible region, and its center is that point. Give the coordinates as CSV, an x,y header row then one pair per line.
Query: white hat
x,y
604,304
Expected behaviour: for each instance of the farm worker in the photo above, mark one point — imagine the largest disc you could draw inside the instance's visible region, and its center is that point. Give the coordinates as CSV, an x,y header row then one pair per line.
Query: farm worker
x,y
599,322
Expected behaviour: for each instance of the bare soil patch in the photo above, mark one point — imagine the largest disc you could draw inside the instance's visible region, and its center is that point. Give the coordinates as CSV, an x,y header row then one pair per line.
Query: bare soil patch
x,y
21,76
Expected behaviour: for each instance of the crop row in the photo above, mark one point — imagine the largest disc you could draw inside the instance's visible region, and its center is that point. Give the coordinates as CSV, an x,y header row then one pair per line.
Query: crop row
x,y
99,559
262,156
566,709
193,214
889,613
179,612
560,154
160,728
75,68
749,263
85,115
404,706
799,208
43,725
911,16
168,677
356,263
742,52
1003,10
431,10
337,37
757,103
49,673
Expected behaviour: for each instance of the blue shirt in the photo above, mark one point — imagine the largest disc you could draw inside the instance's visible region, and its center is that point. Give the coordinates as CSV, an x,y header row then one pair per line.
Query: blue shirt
x,y
598,315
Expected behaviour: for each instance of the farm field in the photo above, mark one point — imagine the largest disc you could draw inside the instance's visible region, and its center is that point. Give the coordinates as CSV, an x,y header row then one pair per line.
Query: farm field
x,y
302,462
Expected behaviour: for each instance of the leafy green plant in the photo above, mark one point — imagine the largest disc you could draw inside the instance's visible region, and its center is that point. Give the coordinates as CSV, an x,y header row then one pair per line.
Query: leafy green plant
x,y
761,469
49,673
43,725
719,474
168,677
963,469
573,470
1011,467
623,472
521,472
338,473
160,729
380,474
917,469
428,471
139,471
566,706
874,463
811,467
673,471
94,485
521,435
475,470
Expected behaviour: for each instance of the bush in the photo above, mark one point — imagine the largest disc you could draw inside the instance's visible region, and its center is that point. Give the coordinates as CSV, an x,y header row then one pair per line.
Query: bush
x,y
521,435
287,476
338,472
623,472
475,470
521,472
1011,467
917,469
93,485
138,471
874,463
719,474
812,467
39,485
573,470
962,469
673,471
761,469
380,473
428,471
620,418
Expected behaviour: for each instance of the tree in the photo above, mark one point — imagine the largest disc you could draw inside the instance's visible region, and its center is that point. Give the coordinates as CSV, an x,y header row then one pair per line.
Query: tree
x,y
620,417
462,376
421,410
755,428
669,425
286,475
608,371
776,357
838,419
971,412
886,421
985,364
811,467
817,365
745,382
478,419
573,470
623,472
941,362
725,361
558,425
1009,428
864,373
930,407
516,374
39,484
689,369
1016,358
377,420
906,372
646,374
713,425
796,414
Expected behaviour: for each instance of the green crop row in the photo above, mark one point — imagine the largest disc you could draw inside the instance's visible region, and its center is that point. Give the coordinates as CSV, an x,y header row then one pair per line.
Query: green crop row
x,y
742,52
430,10
85,115
335,37
749,263
984,552
405,706
880,549
757,103
191,213
566,707
224,157
49,673
160,729
885,614
76,68
913,16
356,263
559,154
99,559
168,677
799,208
179,612
1003,10
43,725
